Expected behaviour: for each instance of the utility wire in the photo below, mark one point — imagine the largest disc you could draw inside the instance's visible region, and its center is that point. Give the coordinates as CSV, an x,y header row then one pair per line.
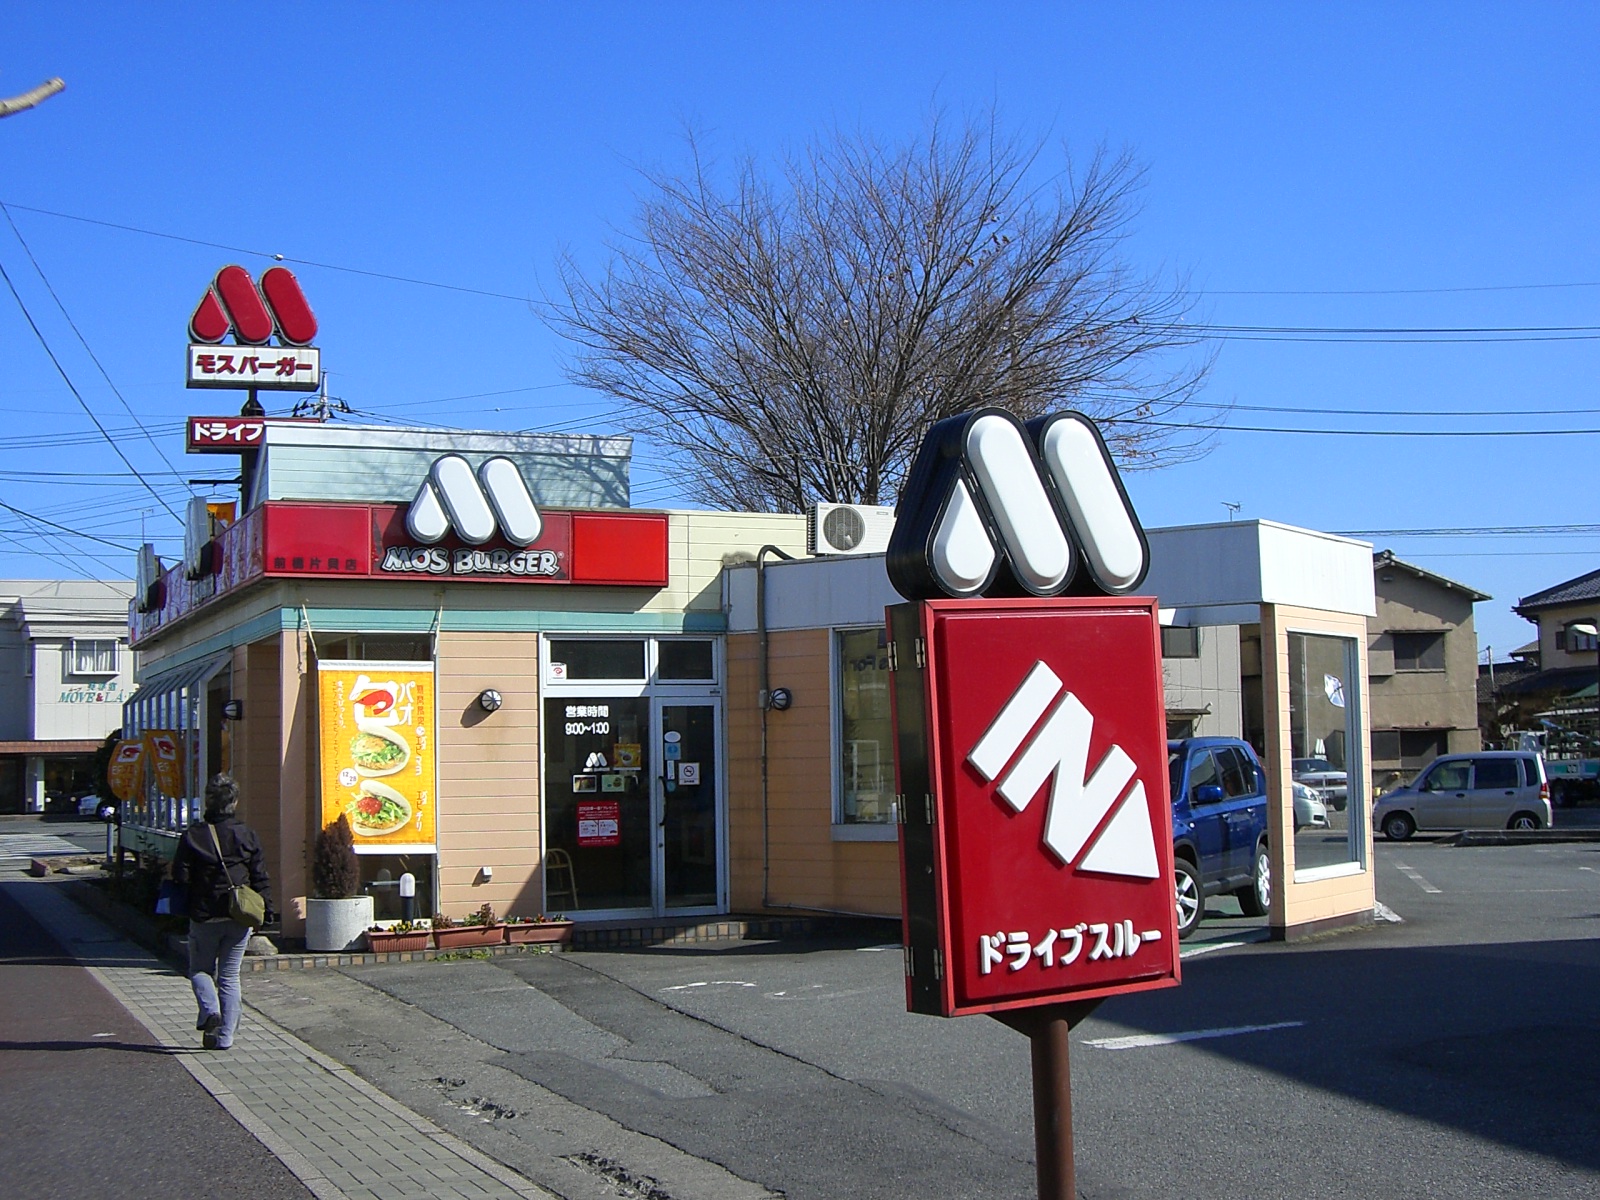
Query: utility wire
x,y
79,396
64,528
1477,531
1422,433
1394,412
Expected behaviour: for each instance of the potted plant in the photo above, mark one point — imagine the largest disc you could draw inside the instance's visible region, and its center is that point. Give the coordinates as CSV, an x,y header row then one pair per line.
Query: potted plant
x,y
479,928
540,929
338,914
402,935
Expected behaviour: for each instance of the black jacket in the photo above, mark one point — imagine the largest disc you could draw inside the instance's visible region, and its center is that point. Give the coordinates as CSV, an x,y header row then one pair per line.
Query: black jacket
x,y
195,866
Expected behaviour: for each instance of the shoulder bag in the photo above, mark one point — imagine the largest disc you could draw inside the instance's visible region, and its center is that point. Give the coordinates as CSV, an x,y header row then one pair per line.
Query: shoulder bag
x,y
245,904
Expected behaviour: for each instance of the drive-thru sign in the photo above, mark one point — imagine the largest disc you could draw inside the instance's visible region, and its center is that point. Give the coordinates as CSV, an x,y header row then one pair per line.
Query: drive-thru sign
x,y
1030,742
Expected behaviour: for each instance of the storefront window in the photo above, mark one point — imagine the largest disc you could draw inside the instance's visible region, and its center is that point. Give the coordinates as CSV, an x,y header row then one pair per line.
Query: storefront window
x,y
1325,736
380,879
866,747
689,661
385,647
598,833
597,659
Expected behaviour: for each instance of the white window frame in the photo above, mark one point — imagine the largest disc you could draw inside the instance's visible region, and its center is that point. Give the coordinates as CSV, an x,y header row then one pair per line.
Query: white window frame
x,y
76,664
864,831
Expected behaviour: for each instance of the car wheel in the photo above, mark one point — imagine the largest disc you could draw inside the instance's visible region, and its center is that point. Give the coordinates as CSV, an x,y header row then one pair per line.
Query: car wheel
x,y
1255,900
1191,900
1523,820
1397,827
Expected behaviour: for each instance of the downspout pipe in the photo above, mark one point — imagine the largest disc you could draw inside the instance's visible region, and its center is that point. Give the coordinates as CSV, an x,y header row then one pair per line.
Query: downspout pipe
x,y
764,699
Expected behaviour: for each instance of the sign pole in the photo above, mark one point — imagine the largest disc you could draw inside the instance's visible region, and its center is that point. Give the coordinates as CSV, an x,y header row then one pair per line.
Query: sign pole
x,y
1047,1029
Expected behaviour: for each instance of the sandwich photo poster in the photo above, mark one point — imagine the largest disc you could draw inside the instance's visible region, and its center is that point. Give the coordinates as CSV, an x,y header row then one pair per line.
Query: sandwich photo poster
x,y
377,752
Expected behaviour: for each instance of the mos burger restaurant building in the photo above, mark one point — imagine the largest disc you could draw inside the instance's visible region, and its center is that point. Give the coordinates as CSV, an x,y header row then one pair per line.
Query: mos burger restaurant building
x,y
524,692
512,682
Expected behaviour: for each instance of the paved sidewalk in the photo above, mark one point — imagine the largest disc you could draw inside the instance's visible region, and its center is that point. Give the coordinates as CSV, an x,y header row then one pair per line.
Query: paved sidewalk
x,y
338,1135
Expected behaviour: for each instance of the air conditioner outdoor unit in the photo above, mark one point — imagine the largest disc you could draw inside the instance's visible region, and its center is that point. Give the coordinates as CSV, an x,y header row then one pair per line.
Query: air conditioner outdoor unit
x,y
848,528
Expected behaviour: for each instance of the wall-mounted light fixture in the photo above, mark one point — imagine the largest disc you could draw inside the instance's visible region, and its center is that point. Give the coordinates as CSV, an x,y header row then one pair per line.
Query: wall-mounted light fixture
x,y
233,710
780,698
489,700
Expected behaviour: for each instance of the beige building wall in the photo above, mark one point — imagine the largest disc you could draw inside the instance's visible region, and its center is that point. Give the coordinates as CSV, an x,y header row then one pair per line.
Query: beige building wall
x,y
1302,906
489,774
1444,700
807,869
1553,622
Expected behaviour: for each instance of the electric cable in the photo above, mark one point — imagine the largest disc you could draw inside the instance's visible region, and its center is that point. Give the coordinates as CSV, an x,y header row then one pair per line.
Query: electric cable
x,y
38,333
89,350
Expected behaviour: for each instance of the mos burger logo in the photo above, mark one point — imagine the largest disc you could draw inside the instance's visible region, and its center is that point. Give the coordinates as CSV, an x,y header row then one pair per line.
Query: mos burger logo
x,y
234,304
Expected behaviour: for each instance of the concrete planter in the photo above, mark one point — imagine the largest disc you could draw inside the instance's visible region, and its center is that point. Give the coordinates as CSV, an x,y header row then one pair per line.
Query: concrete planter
x,y
380,942
337,925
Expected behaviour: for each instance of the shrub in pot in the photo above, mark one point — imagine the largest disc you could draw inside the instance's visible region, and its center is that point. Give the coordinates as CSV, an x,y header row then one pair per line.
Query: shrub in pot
x,y
337,917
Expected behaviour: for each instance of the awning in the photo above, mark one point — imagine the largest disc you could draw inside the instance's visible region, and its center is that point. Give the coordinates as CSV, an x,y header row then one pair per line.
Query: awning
x,y
168,683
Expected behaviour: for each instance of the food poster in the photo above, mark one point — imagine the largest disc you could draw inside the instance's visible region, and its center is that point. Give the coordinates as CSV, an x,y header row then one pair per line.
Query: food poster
x,y
167,758
377,752
126,770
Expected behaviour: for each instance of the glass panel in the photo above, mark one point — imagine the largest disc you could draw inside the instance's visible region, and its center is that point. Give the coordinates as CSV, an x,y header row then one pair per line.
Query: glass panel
x,y
1325,723
1496,773
597,803
684,660
384,647
1418,651
866,759
598,659
1202,770
1238,776
1180,641
689,804
1447,777
380,879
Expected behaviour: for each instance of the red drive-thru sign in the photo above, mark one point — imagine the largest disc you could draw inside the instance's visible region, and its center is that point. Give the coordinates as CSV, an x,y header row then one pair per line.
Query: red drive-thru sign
x,y
1031,767
1039,868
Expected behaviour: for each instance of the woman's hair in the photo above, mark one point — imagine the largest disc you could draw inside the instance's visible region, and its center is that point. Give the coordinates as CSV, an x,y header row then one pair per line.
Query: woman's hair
x,y
222,797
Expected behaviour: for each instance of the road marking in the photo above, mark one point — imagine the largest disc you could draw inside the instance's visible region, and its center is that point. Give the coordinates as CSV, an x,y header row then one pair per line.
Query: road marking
x,y
877,949
36,845
678,987
1140,1041
1261,935
1411,874
1383,912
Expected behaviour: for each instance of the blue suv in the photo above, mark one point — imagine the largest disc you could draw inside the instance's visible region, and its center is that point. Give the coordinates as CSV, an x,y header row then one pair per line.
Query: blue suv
x,y
1219,827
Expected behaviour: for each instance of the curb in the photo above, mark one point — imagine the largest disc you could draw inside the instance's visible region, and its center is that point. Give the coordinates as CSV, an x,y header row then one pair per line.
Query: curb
x,y
1521,837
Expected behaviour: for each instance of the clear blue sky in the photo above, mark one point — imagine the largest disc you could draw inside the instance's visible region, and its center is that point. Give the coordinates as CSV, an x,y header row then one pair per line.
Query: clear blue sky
x,y
1303,148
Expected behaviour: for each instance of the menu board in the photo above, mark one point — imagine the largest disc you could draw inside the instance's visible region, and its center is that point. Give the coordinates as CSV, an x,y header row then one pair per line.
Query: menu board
x,y
376,724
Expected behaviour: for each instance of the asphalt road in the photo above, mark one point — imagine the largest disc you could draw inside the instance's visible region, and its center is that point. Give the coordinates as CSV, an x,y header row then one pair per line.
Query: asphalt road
x,y
1456,1054
92,1107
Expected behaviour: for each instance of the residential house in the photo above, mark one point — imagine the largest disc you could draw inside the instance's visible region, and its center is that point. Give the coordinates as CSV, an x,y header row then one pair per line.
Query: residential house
x,y
1559,697
1422,664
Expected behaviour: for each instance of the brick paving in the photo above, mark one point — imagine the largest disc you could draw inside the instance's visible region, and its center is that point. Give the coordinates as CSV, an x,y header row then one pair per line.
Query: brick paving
x,y
339,1135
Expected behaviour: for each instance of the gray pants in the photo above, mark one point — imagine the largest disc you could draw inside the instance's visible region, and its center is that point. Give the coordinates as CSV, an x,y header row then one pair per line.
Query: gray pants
x,y
216,951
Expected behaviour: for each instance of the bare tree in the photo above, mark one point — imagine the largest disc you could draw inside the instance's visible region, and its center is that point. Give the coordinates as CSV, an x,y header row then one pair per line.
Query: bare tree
x,y
792,340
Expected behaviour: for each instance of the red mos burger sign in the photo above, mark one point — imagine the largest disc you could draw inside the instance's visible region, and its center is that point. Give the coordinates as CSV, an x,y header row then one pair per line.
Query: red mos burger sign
x,y
255,316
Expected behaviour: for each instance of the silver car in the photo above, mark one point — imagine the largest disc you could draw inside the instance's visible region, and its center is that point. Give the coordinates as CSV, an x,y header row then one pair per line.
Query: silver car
x,y
1332,784
1309,809
1493,789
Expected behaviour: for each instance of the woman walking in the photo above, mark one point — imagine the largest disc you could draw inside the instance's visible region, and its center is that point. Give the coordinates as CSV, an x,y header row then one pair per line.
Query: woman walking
x,y
213,856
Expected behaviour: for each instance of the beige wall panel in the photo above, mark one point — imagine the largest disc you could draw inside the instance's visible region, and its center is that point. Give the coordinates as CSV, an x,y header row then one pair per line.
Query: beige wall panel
x,y
808,868
489,773
297,816
257,743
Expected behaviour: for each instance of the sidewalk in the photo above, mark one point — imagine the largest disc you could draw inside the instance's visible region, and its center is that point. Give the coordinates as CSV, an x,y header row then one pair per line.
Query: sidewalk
x,y
337,1134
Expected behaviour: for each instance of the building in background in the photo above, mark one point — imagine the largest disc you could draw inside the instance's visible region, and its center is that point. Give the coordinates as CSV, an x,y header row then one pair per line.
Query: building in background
x,y
65,670
1422,663
1554,692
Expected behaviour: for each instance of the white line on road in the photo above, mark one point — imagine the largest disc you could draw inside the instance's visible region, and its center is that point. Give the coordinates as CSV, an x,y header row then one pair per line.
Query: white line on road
x,y
1411,874
1139,1041
708,983
1197,951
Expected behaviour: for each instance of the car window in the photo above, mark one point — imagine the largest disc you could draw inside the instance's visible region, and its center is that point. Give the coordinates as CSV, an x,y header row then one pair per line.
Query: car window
x,y
1237,776
1202,770
1495,773
1447,777
1174,772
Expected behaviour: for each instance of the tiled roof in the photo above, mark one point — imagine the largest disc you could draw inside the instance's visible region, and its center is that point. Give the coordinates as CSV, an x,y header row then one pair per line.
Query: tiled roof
x,y
1584,587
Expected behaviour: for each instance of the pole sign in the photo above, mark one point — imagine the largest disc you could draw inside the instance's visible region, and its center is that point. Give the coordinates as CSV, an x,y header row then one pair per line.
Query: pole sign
x,y
253,314
1036,830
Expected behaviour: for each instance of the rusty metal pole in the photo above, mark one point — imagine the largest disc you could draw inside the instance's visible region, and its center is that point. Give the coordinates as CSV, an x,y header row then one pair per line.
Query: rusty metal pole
x,y
1052,1108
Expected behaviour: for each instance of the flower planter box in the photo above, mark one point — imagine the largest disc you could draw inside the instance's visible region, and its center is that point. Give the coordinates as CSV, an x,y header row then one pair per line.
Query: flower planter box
x,y
546,932
382,943
468,935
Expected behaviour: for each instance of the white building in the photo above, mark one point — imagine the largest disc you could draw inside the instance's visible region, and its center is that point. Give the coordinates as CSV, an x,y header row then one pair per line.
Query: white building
x,y
65,669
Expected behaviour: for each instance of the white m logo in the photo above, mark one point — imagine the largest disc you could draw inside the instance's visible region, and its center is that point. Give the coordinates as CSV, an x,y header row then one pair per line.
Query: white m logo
x,y
992,506
452,496
1079,800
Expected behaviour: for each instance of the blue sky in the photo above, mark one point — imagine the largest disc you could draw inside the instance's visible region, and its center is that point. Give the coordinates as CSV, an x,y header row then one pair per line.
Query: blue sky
x,y
1407,150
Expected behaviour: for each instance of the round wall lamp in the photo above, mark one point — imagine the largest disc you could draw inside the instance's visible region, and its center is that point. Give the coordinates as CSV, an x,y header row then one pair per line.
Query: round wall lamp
x,y
489,700
780,698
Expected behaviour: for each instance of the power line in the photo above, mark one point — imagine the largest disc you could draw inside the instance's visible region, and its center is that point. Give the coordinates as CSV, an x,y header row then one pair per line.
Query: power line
x,y
1476,531
305,262
79,396
64,528
93,357
1424,291
1394,412
1422,433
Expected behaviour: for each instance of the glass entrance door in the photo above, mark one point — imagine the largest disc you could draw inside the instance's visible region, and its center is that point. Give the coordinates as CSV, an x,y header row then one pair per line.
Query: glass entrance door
x,y
687,817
